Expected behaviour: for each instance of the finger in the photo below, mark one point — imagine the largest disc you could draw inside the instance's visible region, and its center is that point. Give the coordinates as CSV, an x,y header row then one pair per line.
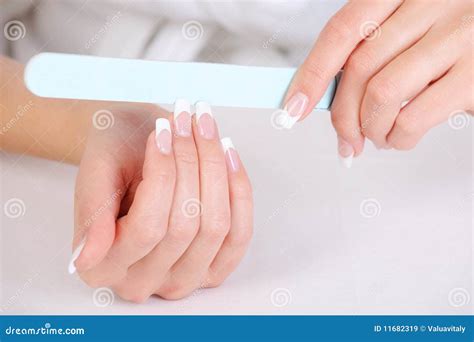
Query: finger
x,y
147,220
98,194
433,106
191,269
241,206
337,40
147,275
366,60
402,79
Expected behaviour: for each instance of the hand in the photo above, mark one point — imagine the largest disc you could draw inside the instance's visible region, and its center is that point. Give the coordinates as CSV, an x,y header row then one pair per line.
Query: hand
x,y
392,52
161,213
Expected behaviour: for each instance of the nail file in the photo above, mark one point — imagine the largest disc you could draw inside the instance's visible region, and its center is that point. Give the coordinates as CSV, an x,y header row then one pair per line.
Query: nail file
x,y
112,79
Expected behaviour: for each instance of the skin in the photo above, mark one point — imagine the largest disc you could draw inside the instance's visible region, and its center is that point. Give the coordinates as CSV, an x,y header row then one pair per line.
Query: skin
x,y
421,51
129,195
145,244
140,244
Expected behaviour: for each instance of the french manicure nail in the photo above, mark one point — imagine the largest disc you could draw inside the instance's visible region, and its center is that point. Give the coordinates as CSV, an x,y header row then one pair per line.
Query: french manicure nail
x,y
346,153
163,135
205,121
294,108
231,155
182,117
75,255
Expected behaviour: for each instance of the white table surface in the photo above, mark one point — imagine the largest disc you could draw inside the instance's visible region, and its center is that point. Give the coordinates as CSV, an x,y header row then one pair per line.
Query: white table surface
x,y
312,248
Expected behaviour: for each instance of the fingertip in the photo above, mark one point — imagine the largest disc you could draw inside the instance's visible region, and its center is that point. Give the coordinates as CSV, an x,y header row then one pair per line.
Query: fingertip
x,y
295,108
359,147
75,255
231,156
95,246
348,149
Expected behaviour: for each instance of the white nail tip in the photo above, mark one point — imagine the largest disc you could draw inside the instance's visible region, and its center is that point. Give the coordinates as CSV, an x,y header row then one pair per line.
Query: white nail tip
x,y
227,144
346,161
288,121
201,108
181,105
162,124
74,256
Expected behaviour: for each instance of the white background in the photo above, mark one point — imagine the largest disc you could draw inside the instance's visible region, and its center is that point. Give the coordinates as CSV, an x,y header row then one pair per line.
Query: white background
x,y
310,236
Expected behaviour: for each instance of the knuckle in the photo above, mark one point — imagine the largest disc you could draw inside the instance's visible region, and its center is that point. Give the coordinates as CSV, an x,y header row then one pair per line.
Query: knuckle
x,y
186,157
406,125
361,63
213,164
382,90
313,72
337,28
149,235
183,231
371,133
406,133
344,127
368,128
340,123
217,227
165,178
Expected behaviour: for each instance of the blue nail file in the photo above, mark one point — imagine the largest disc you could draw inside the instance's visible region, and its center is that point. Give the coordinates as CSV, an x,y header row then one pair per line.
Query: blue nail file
x,y
112,79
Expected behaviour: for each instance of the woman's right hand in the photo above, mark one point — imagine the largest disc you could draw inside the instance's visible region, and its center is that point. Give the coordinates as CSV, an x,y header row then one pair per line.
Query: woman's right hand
x,y
162,213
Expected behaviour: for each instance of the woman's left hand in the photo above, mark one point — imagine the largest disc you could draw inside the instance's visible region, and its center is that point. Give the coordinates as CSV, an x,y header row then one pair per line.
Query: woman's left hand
x,y
166,212
392,52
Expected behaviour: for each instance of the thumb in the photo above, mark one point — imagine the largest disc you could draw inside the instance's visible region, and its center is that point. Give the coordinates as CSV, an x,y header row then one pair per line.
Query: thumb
x,y
341,35
98,194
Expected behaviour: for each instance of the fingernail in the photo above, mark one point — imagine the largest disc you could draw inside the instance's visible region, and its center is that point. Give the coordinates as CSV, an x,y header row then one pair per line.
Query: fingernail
x,y
295,107
231,155
346,153
205,121
163,135
182,117
75,255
